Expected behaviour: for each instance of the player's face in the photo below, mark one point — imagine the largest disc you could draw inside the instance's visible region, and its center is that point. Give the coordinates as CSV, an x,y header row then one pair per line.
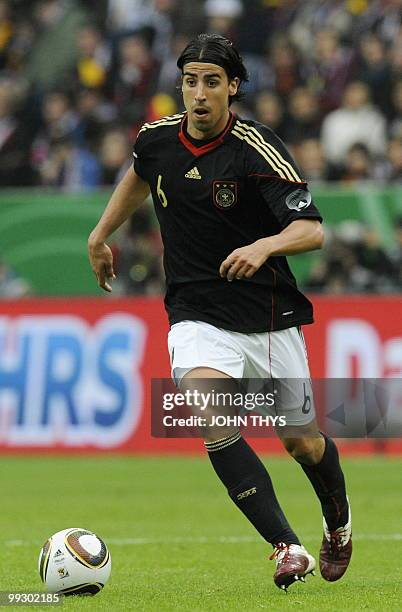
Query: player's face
x,y
206,90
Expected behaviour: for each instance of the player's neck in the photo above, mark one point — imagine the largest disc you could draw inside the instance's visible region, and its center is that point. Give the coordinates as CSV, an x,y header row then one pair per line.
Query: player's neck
x,y
214,131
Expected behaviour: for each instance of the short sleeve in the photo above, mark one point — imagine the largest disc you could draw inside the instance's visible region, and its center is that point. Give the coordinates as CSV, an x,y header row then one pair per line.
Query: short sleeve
x,y
138,155
276,175
288,201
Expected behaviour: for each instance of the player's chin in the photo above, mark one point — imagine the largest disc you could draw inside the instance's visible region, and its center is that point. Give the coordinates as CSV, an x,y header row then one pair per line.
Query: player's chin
x,y
202,121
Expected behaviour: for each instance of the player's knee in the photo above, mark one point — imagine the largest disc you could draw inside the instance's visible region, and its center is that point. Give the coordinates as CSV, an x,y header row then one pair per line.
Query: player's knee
x,y
303,450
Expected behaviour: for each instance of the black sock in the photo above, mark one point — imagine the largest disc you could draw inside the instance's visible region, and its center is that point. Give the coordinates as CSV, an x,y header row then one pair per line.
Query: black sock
x,y
329,484
250,487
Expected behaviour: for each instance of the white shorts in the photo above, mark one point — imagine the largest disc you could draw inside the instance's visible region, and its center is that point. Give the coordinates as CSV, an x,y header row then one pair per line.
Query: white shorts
x,y
270,355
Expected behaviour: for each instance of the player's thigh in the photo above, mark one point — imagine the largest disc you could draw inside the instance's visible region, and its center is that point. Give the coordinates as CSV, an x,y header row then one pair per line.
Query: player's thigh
x,y
195,344
209,394
206,361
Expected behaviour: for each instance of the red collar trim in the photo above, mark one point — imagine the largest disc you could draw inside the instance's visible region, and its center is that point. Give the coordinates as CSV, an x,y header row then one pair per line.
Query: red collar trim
x,y
197,151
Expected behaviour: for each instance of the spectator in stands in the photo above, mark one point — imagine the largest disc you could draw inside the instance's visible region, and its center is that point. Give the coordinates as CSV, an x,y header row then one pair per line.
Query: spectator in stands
x,y
59,121
115,155
395,126
358,164
284,61
127,15
253,40
95,113
53,54
70,167
393,163
338,271
388,19
373,258
189,18
374,70
15,140
168,79
313,17
269,111
310,157
222,17
355,121
303,121
152,18
330,70
354,261
19,49
133,83
160,105
94,58
395,56
6,31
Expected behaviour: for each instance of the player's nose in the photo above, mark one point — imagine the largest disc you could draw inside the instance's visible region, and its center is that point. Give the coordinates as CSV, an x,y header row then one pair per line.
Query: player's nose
x,y
200,93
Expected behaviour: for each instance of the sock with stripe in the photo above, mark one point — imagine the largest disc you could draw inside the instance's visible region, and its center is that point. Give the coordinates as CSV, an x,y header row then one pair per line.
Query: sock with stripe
x,y
329,484
249,486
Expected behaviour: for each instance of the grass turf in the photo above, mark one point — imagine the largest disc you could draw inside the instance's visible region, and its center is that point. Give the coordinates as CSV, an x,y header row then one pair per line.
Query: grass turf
x,y
178,543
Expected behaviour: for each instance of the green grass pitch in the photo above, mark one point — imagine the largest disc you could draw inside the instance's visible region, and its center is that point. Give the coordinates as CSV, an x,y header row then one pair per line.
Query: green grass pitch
x,y
178,542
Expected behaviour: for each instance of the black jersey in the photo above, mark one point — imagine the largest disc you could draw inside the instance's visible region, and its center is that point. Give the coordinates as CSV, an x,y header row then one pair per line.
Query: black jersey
x,y
213,197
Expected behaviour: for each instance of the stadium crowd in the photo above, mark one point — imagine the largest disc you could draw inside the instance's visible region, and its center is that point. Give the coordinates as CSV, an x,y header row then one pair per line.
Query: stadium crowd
x,y
79,77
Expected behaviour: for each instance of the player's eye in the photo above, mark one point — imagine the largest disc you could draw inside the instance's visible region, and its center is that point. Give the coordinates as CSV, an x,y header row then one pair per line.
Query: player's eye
x,y
213,83
190,82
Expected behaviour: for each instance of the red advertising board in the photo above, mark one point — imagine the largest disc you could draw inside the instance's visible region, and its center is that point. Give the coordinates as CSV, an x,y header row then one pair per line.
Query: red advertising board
x,y
75,375
355,336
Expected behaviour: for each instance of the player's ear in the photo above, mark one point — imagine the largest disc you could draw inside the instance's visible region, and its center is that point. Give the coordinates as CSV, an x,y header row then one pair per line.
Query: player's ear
x,y
234,86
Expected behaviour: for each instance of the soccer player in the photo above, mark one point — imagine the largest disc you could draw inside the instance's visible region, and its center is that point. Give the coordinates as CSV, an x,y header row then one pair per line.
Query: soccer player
x,y
231,205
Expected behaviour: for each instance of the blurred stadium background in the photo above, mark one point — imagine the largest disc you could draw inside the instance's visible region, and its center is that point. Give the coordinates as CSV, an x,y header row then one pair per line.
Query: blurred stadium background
x,y
77,80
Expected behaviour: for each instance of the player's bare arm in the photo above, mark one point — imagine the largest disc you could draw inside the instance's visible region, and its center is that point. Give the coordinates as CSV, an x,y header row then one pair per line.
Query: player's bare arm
x,y
298,237
128,195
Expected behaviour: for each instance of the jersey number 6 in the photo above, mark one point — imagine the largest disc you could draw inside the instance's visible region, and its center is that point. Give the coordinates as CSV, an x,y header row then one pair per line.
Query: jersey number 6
x,y
161,194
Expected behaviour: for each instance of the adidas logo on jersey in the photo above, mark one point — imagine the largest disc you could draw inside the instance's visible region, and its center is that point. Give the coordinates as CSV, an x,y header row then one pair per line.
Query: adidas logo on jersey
x,y
193,173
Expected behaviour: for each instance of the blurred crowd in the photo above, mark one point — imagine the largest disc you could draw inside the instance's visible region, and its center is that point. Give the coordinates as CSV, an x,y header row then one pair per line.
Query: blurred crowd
x,y
354,261
79,77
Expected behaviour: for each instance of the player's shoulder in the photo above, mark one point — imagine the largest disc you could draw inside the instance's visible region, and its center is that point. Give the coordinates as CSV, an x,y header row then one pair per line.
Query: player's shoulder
x,y
263,146
164,125
157,133
248,128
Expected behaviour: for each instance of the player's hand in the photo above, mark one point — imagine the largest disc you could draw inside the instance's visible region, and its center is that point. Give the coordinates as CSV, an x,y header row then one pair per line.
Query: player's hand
x,y
244,262
101,260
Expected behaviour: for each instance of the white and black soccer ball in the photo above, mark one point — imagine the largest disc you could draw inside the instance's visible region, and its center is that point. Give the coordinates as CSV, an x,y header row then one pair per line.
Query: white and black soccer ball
x,y
74,562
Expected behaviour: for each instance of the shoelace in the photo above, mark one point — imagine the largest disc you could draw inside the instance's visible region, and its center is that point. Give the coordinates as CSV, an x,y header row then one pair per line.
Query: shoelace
x,y
336,539
281,553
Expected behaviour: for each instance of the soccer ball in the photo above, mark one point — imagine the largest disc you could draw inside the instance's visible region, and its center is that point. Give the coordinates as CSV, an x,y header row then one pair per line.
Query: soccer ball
x,y
74,562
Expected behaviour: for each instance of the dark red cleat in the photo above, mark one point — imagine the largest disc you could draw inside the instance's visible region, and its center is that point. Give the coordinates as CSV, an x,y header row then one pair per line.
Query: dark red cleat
x,y
336,551
293,563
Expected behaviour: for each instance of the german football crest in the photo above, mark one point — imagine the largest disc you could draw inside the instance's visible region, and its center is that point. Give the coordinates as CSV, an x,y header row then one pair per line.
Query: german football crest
x,y
225,194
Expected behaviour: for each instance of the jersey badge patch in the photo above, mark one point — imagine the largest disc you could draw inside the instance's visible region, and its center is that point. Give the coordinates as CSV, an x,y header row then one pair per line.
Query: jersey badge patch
x,y
298,200
193,174
225,194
